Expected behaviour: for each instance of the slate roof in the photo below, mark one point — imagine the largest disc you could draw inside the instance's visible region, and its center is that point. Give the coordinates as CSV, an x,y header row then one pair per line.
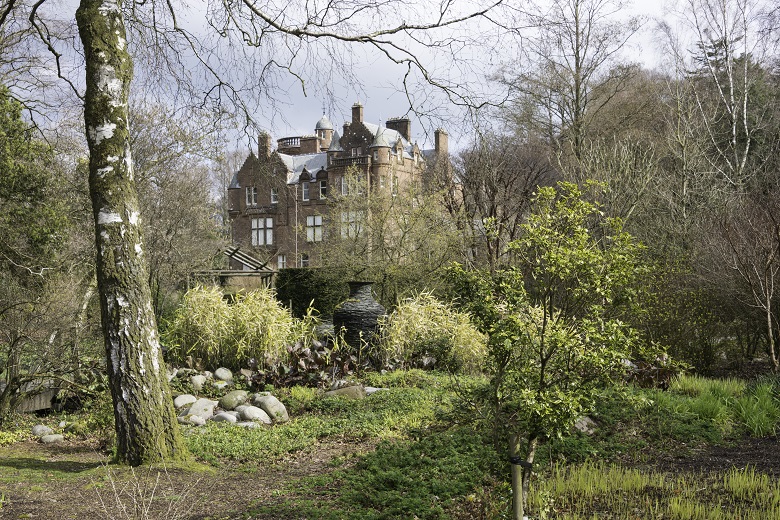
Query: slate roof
x,y
324,123
392,137
295,164
335,146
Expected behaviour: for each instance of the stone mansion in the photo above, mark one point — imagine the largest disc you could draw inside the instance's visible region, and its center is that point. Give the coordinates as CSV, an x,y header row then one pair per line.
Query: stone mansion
x,y
278,200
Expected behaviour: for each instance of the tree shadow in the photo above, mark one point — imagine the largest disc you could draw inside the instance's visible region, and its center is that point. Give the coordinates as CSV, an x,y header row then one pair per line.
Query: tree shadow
x,y
33,464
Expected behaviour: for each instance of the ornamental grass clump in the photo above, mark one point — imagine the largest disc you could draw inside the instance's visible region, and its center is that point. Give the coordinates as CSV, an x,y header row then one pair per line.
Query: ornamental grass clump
x,y
423,329
255,326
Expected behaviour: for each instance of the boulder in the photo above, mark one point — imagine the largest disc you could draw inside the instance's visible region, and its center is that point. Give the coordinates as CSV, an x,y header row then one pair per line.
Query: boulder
x,y
372,390
225,417
272,406
219,384
223,374
586,425
197,381
253,413
202,407
249,424
40,430
52,438
192,420
184,400
233,399
349,392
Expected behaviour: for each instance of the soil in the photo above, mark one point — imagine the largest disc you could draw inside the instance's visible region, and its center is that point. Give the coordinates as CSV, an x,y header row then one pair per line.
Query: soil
x,y
74,480
759,453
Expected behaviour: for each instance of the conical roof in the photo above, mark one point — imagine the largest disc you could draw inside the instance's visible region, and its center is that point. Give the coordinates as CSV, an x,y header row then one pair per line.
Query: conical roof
x,y
380,139
335,146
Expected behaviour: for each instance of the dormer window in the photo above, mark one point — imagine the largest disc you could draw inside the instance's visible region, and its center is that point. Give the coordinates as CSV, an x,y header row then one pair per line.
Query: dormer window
x,y
305,190
356,151
323,189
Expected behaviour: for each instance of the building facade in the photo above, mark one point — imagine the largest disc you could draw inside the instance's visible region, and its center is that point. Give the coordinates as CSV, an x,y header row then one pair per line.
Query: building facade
x,y
279,199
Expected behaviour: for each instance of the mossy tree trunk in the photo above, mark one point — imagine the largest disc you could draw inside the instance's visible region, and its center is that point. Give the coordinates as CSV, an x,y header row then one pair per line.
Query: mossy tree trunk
x,y
145,420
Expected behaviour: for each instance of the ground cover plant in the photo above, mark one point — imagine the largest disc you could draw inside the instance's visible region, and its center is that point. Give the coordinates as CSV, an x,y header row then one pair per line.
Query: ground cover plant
x,y
415,450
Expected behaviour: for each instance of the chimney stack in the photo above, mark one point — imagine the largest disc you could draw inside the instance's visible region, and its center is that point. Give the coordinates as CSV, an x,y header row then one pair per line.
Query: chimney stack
x,y
441,142
402,125
264,145
357,113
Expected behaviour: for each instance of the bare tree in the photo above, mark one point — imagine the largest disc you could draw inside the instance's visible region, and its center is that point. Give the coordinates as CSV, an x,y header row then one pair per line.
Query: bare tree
x,y
726,73
748,254
571,69
496,179
172,158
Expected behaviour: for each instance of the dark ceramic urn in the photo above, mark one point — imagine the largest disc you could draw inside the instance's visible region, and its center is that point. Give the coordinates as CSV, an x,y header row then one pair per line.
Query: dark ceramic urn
x,y
359,315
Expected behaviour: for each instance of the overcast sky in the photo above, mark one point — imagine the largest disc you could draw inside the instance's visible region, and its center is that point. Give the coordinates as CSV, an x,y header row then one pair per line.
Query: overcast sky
x,y
381,95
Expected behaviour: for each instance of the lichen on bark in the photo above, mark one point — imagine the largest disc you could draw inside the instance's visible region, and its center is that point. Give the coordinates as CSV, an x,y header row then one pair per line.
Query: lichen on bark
x,y
145,420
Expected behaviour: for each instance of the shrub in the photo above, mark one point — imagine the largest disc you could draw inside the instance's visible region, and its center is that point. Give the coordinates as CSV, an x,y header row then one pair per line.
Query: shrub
x,y
301,288
255,326
423,326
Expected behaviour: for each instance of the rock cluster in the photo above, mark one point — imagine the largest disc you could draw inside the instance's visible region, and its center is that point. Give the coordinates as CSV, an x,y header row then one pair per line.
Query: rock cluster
x,y
237,407
46,435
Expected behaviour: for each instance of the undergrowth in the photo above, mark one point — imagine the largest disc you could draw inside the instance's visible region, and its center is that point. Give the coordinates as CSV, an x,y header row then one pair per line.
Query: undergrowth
x,y
395,413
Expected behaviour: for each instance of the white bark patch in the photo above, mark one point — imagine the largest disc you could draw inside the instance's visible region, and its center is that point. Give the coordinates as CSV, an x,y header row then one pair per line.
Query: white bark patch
x,y
107,217
108,83
112,158
120,42
104,236
101,132
142,370
101,172
107,8
138,250
133,218
128,163
121,301
155,352
115,355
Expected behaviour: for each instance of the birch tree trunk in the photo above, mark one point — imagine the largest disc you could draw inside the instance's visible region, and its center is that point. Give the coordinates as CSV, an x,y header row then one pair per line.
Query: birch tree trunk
x,y
145,420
